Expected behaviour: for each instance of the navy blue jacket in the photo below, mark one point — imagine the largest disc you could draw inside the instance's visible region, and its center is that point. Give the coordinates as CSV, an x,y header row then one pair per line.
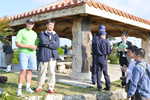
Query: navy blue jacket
x,y
101,48
7,49
48,46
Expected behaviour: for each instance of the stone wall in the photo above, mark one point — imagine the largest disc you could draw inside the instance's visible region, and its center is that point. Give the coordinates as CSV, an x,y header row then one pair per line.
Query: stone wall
x,y
114,95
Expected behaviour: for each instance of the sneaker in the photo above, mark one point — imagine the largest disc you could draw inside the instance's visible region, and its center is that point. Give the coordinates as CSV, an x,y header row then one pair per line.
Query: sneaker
x,y
29,90
38,90
50,91
106,89
19,92
99,89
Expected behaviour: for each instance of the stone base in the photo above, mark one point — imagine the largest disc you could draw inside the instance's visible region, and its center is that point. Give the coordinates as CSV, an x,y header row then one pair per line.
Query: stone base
x,y
81,76
115,95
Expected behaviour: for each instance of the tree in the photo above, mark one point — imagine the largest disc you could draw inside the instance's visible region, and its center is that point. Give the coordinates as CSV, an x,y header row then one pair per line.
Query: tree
x,y
5,29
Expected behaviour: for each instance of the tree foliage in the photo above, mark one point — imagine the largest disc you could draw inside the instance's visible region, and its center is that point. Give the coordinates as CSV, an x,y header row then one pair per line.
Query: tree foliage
x,y
5,29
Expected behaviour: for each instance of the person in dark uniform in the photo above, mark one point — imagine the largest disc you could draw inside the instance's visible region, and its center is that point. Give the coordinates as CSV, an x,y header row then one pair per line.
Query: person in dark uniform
x,y
93,66
122,51
101,49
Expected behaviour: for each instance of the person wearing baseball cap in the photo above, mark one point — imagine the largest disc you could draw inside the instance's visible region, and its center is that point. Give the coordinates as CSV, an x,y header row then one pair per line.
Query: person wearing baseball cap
x,y
101,48
26,41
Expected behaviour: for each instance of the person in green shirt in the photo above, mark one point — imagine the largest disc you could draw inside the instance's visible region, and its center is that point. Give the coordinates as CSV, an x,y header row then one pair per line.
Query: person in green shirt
x,y
26,41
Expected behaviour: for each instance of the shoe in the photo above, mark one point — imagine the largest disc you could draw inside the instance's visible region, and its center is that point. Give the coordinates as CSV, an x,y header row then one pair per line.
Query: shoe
x,y
93,83
106,89
38,90
19,92
29,90
50,91
99,89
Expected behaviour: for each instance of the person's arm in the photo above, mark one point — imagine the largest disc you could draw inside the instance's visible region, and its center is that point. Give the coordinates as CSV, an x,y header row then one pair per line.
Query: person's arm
x,y
54,44
136,74
108,48
21,45
43,39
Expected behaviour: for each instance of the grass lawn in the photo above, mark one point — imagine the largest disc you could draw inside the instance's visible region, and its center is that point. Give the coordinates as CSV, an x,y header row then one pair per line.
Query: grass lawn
x,y
11,86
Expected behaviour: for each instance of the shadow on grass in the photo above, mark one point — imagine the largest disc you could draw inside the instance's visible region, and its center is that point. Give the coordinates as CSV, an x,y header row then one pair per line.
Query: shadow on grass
x,y
72,90
116,84
10,85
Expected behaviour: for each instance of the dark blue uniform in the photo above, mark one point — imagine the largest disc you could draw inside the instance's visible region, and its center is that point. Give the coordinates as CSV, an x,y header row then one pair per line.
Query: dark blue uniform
x,y
101,48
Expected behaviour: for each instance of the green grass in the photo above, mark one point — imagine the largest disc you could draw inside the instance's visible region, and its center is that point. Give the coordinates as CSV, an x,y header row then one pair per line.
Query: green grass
x,y
11,86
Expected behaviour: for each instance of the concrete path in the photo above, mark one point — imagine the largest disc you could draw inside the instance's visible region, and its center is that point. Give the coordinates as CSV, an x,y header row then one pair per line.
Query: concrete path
x,y
113,69
114,72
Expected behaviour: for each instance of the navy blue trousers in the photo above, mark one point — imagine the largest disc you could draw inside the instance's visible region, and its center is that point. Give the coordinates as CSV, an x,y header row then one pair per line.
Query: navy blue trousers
x,y
93,70
102,68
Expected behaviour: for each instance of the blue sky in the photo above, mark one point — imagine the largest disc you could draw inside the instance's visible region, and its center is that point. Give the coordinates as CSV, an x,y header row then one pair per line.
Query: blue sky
x,y
139,8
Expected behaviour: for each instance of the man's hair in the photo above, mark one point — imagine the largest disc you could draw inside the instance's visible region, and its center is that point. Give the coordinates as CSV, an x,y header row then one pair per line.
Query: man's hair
x,y
50,21
124,34
140,52
132,48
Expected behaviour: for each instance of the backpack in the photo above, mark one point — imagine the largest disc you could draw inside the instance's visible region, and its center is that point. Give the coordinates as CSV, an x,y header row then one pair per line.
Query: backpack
x,y
147,69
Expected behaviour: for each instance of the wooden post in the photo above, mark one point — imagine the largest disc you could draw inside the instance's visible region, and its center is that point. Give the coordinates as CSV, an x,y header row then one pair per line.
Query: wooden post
x,y
81,48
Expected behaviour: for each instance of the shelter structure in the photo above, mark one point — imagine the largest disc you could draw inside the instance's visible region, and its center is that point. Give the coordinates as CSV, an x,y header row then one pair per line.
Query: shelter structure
x,y
77,19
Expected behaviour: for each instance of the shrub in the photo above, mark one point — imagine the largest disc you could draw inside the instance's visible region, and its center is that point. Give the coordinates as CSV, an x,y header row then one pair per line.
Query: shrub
x,y
15,58
113,57
60,51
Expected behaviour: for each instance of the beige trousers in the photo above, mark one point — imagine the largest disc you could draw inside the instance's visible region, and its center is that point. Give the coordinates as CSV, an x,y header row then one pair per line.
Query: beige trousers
x,y
47,69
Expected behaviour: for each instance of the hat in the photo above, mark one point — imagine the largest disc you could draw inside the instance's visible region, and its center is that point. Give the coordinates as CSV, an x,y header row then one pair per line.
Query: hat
x,y
102,30
29,21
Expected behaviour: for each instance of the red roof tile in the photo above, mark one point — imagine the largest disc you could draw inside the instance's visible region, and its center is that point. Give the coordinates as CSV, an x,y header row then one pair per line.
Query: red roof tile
x,y
71,3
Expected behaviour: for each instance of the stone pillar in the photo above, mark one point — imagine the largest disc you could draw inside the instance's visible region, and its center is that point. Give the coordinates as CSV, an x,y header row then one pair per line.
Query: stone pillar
x,y
81,48
146,46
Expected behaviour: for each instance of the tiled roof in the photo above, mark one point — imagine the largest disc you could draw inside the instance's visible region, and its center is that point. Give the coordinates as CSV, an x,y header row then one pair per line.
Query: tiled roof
x,y
72,3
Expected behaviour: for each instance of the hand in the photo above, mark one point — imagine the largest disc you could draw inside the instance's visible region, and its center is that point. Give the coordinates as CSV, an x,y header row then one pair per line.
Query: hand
x,y
125,49
33,47
124,69
54,32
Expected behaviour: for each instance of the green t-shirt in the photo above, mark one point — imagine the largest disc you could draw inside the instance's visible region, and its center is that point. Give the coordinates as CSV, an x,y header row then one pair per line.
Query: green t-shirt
x,y
26,36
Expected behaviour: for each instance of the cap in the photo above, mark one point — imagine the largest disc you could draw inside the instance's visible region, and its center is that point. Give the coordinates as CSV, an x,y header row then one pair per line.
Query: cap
x,y
30,21
102,30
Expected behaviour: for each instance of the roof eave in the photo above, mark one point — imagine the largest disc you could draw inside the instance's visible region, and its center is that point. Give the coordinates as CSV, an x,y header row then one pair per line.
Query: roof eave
x,y
52,14
107,15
